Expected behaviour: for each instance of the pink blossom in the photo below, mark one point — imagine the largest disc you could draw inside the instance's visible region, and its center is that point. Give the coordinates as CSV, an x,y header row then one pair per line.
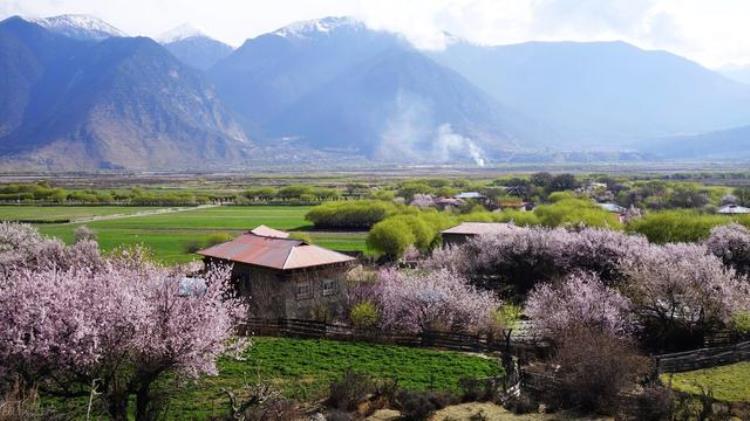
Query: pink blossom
x,y
416,301
683,284
731,243
581,300
121,320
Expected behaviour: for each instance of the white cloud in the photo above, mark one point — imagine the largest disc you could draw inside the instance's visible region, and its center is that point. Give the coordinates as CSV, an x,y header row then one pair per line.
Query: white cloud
x,y
712,32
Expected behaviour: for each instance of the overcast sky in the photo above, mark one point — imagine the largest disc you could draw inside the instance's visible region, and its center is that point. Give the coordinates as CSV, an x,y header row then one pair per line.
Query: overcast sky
x,y
712,32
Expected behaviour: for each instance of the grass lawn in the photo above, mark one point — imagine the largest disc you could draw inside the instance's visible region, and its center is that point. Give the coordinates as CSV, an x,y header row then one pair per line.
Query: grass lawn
x,y
730,383
304,368
56,213
168,234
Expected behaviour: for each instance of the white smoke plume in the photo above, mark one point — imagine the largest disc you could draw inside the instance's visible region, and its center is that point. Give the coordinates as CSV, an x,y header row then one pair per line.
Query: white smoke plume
x,y
412,135
449,145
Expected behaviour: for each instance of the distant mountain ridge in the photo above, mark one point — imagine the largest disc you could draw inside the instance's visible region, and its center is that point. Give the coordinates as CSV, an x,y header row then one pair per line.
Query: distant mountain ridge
x,y
194,48
81,27
603,93
737,73
117,103
333,84
78,94
732,144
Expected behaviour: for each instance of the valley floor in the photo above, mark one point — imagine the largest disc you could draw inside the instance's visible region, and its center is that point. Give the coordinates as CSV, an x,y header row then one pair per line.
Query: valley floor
x,y
170,234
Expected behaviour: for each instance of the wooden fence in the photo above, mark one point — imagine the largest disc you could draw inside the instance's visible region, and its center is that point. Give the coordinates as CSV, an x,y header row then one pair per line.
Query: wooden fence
x,y
520,345
703,358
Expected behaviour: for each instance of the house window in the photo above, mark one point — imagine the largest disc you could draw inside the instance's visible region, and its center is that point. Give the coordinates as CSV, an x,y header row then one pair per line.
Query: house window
x,y
304,290
329,287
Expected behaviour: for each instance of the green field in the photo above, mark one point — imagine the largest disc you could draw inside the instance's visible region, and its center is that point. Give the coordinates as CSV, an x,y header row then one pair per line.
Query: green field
x,y
304,368
168,234
56,213
730,383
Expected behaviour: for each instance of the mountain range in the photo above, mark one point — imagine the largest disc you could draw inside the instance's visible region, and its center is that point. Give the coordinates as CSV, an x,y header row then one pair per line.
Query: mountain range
x,y
80,94
123,103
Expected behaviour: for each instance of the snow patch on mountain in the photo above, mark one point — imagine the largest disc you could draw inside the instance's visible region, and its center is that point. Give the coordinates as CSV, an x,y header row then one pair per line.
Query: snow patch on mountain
x,y
180,33
83,27
304,29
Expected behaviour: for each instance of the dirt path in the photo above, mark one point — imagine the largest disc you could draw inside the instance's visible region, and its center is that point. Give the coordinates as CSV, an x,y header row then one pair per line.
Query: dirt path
x,y
160,211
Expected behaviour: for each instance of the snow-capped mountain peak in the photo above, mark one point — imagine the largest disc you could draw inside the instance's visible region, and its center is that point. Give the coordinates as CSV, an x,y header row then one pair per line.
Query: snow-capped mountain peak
x,y
303,29
179,33
84,27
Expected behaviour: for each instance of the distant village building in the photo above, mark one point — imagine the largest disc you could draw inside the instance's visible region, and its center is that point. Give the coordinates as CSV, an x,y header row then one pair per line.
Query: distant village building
x,y
444,203
470,195
284,277
733,210
613,207
465,231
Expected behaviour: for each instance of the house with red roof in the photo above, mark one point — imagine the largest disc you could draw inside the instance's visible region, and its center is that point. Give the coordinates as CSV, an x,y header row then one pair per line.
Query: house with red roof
x,y
465,231
282,276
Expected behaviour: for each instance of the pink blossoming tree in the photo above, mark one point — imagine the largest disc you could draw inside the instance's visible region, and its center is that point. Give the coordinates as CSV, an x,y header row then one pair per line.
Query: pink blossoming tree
x,y
580,301
731,243
21,246
416,301
117,327
519,260
682,290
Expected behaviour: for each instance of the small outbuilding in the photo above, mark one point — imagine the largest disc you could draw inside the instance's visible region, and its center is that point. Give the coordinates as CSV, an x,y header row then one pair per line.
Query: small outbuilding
x,y
284,277
733,210
465,231
612,207
470,195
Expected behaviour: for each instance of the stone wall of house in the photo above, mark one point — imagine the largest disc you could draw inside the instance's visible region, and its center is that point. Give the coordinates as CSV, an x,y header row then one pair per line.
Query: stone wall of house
x,y
315,293
455,239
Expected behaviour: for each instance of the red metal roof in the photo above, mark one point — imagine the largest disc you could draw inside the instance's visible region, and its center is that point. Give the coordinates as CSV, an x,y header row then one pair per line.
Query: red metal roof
x,y
265,231
480,228
274,252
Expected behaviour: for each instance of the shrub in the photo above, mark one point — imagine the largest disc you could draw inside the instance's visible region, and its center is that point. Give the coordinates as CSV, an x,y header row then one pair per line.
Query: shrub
x,y
294,191
274,409
347,392
520,405
364,315
476,390
418,406
359,214
84,233
518,218
192,246
260,402
423,233
676,226
301,236
562,182
576,213
741,322
560,196
260,193
218,238
391,238
409,189
594,368
654,404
